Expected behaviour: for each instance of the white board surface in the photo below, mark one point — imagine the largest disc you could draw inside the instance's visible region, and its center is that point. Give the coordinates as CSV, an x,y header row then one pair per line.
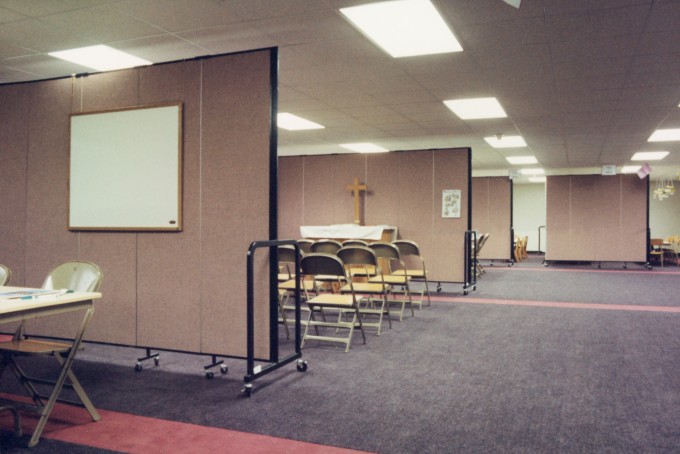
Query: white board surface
x,y
125,169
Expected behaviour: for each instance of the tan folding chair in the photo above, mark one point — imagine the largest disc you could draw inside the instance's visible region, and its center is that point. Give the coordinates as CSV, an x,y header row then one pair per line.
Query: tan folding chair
x,y
326,247
656,250
76,276
390,255
5,275
305,245
374,293
410,254
286,287
328,265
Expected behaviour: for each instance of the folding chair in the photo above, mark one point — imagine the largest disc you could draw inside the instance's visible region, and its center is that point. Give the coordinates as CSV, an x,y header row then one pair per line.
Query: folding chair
x,y
5,274
77,276
326,247
286,287
390,254
410,253
329,265
375,301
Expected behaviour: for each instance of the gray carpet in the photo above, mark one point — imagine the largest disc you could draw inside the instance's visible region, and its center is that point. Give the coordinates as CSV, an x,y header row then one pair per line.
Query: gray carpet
x,y
456,378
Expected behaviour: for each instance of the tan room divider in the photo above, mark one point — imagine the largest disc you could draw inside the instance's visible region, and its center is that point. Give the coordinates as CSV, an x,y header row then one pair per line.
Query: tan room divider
x,y
492,214
183,290
404,190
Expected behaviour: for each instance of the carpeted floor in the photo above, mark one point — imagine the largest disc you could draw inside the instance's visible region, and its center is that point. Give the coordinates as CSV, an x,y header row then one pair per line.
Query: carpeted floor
x,y
458,377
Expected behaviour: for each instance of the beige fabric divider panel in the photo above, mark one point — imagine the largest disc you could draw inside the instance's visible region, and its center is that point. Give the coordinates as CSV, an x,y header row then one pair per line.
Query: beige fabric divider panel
x,y
404,190
492,214
596,218
181,290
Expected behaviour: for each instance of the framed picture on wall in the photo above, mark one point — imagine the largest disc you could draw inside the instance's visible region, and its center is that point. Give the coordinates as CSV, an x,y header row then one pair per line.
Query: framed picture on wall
x,y
451,203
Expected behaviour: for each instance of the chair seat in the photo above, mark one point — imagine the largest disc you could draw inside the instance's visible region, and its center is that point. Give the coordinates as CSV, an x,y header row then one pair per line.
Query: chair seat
x,y
363,287
327,277
33,347
391,279
290,285
285,276
409,273
332,300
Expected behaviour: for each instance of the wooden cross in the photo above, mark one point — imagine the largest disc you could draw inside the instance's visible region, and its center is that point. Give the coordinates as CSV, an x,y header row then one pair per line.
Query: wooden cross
x,y
356,188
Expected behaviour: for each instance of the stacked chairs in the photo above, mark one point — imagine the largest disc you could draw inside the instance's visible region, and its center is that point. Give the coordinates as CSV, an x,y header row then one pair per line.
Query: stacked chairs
x,y
390,256
374,292
321,264
410,253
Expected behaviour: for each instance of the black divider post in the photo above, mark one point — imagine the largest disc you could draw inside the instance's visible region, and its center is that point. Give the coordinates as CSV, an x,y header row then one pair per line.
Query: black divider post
x,y
254,372
470,261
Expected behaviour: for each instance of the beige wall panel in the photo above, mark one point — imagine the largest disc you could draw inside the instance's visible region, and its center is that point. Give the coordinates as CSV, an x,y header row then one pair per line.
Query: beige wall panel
x,y
235,196
450,172
634,218
291,180
558,218
606,225
327,201
415,202
491,204
382,179
169,276
583,213
114,90
14,127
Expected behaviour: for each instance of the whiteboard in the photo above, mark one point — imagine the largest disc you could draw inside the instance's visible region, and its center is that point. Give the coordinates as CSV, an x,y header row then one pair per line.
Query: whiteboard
x,y
126,169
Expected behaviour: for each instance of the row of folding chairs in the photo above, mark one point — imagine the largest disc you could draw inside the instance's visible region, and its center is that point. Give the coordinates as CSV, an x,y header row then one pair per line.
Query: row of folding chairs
x,y
350,285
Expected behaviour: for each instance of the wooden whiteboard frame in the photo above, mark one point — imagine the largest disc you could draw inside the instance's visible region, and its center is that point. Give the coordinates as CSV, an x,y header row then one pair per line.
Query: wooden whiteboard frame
x,y
126,169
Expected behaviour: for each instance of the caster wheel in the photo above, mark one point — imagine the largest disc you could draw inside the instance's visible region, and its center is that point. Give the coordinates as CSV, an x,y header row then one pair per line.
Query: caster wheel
x,y
138,367
247,390
209,374
474,288
224,369
156,360
465,292
302,366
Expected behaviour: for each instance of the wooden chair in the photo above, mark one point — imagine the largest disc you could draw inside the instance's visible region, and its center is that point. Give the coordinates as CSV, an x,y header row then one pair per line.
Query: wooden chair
x,y
410,253
390,256
656,250
375,302
315,264
5,275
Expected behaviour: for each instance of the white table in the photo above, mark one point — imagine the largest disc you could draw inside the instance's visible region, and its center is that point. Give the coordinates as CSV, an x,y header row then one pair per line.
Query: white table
x,y
348,231
17,309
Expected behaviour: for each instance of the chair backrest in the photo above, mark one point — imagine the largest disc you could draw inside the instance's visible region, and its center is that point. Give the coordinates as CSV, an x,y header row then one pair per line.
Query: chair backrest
x,y
286,254
357,255
656,242
354,243
407,247
385,251
5,275
326,247
77,275
319,263
305,245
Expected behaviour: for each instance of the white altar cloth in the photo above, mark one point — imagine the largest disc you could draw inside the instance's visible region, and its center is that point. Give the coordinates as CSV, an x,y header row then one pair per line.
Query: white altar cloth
x,y
344,231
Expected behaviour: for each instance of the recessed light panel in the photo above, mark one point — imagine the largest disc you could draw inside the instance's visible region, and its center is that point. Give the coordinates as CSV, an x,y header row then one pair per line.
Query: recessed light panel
x,y
665,135
518,160
536,171
364,147
649,155
476,108
292,122
404,28
506,141
630,169
101,58
537,179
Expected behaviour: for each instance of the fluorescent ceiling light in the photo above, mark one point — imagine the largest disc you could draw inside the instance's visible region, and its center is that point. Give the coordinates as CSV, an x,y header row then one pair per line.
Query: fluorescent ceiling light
x,y
506,141
404,28
664,135
521,159
476,108
537,179
536,171
364,147
101,58
630,169
649,155
292,122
